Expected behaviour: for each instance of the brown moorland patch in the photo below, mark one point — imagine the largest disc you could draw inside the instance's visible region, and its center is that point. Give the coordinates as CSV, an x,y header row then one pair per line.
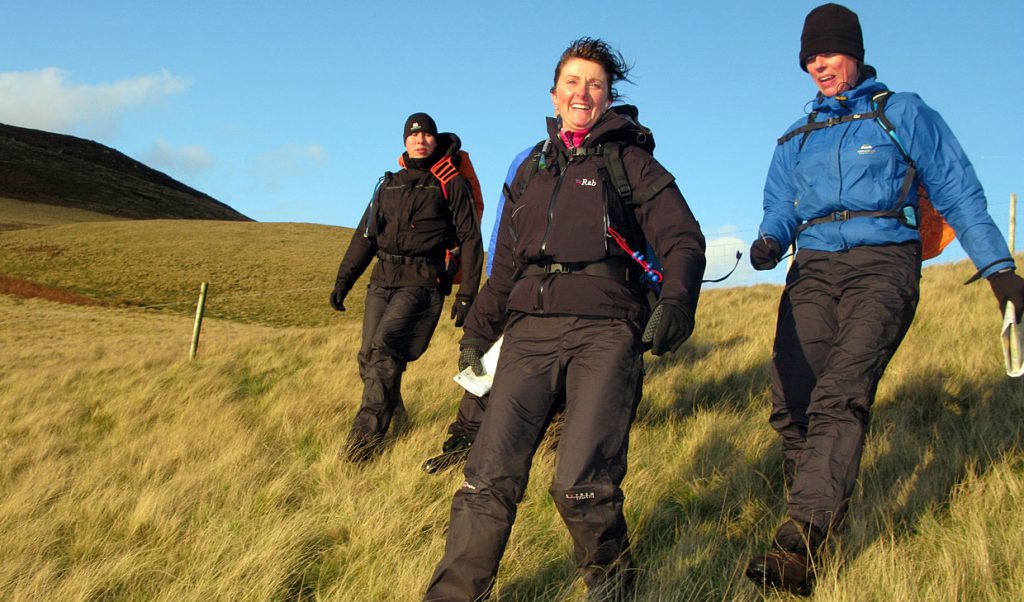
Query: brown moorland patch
x,y
18,287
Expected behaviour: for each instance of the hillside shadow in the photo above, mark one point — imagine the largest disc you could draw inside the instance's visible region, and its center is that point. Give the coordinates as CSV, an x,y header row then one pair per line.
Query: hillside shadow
x,y
692,352
552,583
936,433
733,389
722,503
935,430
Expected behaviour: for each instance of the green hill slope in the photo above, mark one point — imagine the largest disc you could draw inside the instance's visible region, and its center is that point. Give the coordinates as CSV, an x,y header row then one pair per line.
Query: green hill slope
x,y
271,273
130,473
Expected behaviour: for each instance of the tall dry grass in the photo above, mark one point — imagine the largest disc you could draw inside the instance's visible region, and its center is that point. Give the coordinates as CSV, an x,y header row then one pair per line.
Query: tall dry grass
x,y
127,472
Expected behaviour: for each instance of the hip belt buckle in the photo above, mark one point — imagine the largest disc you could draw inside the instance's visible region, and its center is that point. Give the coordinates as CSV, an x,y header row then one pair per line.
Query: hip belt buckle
x,y
841,216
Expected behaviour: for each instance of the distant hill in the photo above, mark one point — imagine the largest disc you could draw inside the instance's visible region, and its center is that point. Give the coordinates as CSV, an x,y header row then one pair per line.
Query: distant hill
x,y
56,169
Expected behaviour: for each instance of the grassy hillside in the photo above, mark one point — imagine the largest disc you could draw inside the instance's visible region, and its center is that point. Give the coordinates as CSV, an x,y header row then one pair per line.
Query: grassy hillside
x,y
66,171
270,273
130,473
20,215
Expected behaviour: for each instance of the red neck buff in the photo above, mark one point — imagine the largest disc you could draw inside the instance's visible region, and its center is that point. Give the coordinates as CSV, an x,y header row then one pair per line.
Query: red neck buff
x,y
573,139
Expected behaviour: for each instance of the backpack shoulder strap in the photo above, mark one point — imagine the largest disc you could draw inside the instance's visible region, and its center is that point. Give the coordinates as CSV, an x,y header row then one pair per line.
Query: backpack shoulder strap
x,y
879,100
371,213
616,167
534,162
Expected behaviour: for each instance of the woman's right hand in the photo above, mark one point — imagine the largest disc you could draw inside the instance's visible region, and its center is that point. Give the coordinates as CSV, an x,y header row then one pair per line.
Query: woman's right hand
x,y
765,253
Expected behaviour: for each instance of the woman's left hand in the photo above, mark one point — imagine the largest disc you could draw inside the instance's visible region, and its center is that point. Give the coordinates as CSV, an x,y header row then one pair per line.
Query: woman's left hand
x,y
1008,286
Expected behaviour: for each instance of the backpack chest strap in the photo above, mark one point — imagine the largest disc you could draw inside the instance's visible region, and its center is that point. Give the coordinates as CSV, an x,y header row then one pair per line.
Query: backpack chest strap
x,y
812,125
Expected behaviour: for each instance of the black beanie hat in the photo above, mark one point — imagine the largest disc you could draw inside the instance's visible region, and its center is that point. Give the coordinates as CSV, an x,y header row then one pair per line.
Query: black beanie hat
x,y
419,122
831,28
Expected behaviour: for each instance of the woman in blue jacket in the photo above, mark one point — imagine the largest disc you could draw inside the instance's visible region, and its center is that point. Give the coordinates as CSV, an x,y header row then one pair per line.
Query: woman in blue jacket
x,y
843,187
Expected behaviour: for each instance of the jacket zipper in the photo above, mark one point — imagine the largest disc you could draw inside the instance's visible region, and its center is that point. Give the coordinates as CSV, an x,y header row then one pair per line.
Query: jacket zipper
x,y
547,232
551,208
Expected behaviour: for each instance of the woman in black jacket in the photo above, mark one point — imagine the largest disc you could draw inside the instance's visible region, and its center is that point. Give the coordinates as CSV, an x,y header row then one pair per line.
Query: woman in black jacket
x,y
571,303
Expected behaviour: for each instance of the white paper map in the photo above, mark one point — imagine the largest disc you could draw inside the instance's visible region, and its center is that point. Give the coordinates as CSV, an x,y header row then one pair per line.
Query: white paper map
x,y
481,385
1012,337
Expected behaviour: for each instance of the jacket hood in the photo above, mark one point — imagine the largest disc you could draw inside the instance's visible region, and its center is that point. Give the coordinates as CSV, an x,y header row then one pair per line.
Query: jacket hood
x,y
618,123
448,145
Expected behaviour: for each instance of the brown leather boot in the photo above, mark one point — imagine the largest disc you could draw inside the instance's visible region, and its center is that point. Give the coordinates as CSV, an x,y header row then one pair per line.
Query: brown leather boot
x,y
783,570
789,566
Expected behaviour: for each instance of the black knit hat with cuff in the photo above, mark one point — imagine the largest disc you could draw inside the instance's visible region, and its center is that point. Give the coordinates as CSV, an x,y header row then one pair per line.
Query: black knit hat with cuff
x,y
419,122
831,28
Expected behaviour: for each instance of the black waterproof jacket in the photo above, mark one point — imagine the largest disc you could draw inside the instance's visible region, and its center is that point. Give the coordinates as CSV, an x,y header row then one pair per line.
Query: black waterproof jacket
x,y
409,225
562,216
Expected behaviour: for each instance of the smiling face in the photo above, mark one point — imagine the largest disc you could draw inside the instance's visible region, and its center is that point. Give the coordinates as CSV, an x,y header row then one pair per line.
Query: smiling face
x,y
832,72
420,145
582,94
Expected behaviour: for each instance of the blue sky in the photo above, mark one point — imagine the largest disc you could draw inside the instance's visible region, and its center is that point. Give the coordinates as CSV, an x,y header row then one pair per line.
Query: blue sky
x,y
290,111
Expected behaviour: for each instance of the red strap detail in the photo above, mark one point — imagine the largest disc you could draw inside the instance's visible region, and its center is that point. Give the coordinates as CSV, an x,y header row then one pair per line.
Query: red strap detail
x,y
444,170
637,257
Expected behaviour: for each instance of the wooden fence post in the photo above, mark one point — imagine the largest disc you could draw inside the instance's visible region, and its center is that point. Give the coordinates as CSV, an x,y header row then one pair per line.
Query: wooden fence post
x,y
200,307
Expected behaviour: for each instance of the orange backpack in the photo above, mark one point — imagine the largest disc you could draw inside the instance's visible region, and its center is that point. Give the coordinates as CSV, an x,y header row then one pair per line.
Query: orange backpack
x,y
935,232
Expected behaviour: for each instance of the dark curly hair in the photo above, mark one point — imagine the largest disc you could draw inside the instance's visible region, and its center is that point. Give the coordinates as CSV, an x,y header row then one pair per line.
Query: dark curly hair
x,y
598,51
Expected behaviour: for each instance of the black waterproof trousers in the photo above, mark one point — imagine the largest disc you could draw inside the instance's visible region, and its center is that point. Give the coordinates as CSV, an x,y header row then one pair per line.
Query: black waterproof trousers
x,y
841,319
397,326
597,363
470,415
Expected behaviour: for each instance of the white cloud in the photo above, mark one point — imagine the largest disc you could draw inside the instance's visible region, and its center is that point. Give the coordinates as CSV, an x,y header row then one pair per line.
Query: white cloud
x,y
185,159
48,100
290,160
721,257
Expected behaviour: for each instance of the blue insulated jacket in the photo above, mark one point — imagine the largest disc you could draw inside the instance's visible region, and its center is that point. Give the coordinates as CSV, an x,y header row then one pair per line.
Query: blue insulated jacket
x,y
856,166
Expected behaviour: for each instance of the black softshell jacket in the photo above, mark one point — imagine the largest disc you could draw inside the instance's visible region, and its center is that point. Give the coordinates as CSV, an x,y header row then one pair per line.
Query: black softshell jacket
x,y
562,216
413,219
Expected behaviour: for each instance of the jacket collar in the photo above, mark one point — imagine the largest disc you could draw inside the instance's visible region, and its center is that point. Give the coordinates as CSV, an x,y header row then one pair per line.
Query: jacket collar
x,y
857,100
613,122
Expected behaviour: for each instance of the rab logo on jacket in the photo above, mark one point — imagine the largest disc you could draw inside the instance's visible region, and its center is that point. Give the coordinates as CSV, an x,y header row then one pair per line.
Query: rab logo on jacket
x,y
585,182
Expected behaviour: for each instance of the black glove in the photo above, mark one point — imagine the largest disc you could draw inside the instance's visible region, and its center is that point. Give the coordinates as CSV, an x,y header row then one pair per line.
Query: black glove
x,y
1008,286
669,326
460,309
338,296
469,357
765,253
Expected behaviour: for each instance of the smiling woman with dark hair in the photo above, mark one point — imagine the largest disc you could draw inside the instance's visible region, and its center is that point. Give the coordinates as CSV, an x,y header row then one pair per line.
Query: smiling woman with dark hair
x,y
572,306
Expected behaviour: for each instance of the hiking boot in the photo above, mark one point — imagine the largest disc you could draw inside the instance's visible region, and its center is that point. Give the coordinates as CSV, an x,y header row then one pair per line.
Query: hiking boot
x,y
610,584
782,570
454,451
362,447
789,565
